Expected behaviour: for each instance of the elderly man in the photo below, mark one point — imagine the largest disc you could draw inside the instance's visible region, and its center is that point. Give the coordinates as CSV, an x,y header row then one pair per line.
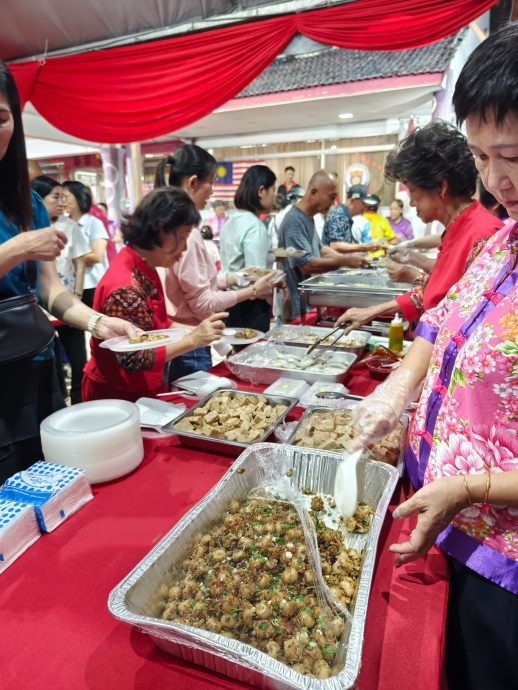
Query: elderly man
x,y
298,230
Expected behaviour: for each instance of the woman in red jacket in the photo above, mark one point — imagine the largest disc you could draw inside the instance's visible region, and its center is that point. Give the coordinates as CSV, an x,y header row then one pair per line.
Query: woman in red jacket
x,y
156,235
436,165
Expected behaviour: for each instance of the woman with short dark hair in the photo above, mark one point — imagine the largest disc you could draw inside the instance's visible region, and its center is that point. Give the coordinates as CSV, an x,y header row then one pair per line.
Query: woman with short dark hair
x,y
155,235
437,167
462,453
77,202
244,241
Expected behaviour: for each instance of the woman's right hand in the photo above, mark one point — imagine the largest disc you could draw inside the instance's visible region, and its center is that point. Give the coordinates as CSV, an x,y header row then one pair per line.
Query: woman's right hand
x,y
356,317
264,286
42,245
209,330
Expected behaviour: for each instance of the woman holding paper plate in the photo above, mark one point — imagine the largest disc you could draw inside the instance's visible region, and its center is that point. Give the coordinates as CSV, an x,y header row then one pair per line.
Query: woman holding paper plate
x,y
193,286
156,235
28,249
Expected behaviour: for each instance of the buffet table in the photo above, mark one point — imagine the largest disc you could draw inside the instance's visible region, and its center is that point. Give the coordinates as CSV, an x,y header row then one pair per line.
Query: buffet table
x,y
57,631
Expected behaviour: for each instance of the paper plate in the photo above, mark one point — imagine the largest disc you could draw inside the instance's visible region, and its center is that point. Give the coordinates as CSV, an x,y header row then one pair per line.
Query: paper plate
x,y
229,336
122,344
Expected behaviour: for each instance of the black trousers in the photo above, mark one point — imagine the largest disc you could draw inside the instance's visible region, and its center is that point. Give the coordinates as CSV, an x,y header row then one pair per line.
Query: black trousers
x,y
73,341
29,393
482,633
88,297
250,314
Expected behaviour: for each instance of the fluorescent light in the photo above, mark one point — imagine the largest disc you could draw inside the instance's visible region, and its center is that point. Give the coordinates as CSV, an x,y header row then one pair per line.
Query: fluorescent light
x,y
345,116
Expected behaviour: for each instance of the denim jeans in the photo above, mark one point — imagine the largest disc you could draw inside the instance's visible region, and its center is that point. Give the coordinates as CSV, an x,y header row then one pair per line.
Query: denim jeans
x,y
195,360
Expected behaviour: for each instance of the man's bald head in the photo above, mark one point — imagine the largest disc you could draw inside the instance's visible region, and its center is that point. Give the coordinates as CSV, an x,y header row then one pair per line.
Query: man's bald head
x,y
320,193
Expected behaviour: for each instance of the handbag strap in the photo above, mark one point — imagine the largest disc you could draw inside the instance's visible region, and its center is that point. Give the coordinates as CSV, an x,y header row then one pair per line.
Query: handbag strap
x,y
31,274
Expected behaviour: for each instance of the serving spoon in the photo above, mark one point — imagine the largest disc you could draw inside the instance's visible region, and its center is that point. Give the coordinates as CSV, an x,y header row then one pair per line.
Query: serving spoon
x,y
347,483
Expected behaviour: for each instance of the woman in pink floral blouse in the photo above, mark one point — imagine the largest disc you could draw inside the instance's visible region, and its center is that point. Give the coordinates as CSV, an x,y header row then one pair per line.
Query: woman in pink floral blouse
x,y
463,448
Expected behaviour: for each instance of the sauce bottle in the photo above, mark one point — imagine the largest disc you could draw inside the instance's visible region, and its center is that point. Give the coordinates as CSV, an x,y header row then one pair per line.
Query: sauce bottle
x,y
396,334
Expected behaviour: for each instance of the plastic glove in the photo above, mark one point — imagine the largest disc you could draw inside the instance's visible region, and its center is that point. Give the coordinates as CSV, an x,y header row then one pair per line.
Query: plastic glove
x,y
378,414
405,255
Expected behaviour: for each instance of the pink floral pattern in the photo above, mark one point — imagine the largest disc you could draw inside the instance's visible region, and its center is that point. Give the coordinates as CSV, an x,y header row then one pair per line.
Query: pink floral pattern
x,y
477,424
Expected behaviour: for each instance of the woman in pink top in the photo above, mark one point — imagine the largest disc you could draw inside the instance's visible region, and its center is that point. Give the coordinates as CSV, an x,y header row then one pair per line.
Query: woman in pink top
x,y
193,286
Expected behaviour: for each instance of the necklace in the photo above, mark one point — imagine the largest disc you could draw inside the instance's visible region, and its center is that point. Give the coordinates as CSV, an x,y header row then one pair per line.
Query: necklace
x,y
454,216
142,257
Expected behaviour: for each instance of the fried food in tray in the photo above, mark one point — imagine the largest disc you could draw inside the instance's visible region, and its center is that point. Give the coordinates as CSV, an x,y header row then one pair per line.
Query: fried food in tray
x,y
333,430
146,338
239,417
250,578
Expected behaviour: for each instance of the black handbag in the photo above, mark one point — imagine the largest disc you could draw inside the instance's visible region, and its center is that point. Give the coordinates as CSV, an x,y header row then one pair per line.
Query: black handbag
x,y
24,328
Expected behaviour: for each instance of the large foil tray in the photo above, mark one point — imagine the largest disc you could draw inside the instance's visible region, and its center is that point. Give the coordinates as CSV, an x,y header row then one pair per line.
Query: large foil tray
x,y
223,445
239,366
352,401
138,599
302,335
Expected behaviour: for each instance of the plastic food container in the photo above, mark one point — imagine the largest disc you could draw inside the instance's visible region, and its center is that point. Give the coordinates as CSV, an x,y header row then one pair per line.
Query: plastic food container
x,y
101,436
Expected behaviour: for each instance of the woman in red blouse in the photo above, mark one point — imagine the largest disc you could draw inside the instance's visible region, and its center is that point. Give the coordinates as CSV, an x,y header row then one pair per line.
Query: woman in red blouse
x,y
437,166
156,235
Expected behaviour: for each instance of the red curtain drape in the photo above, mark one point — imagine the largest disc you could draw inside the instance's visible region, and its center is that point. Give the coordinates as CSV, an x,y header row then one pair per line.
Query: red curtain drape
x,y
148,90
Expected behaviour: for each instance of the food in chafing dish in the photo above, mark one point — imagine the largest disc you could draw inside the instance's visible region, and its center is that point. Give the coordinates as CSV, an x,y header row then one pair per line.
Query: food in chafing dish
x,y
333,430
250,578
322,364
246,334
239,417
296,334
146,338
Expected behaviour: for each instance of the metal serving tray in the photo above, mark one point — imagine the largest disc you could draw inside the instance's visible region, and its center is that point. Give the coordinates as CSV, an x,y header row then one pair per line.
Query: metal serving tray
x,y
267,374
138,599
223,445
298,335
336,290
354,400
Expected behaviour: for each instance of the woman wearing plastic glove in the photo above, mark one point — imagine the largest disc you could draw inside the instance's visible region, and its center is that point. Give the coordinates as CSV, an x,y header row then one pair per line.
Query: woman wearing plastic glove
x,y
438,168
30,390
193,286
464,442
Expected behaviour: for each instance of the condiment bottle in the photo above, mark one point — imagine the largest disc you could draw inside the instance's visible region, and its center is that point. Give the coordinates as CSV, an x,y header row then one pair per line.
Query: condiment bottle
x,y
396,334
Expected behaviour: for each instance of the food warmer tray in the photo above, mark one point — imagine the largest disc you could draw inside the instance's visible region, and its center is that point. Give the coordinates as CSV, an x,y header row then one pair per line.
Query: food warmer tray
x,y
138,599
266,374
354,400
298,335
223,445
334,290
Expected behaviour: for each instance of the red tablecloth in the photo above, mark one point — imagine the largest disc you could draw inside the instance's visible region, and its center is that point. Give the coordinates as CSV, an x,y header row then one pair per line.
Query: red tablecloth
x,y
57,632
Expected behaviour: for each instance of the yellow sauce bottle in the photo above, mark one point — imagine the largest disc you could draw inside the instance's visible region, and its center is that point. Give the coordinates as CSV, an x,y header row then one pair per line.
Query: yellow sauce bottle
x,y
396,334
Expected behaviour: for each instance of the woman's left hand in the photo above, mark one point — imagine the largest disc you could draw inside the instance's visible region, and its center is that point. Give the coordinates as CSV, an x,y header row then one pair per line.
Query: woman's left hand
x,y
111,327
436,504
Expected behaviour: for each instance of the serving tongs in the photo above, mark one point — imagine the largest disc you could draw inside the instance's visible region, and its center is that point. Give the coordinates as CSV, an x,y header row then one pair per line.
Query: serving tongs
x,y
318,343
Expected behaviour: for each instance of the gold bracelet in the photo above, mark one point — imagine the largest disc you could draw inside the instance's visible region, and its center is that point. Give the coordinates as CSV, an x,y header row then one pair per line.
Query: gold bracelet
x,y
467,489
488,486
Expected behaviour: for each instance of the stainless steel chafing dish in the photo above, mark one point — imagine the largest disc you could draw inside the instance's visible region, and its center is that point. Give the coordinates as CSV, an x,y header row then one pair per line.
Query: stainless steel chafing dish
x,y
223,445
139,598
349,290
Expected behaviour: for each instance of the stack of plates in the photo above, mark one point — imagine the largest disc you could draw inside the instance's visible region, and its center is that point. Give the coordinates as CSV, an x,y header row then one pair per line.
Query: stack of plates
x,y
102,437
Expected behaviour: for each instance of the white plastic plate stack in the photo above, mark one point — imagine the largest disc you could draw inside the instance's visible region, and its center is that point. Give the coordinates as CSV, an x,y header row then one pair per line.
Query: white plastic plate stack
x,y
101,436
